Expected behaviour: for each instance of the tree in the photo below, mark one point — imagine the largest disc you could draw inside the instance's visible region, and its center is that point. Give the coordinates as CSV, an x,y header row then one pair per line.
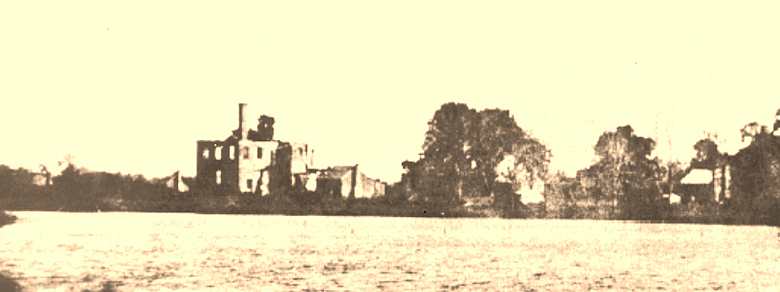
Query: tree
x,y
463,147
447,142
671,174
15,182
755,177
499,138
755,131
561,196
624,172
707,154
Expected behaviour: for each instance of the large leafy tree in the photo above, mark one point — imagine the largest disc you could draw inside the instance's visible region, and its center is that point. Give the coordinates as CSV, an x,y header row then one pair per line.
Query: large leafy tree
x,y
449,138
14,181
624,172
463,148
499,138
707,154
755,177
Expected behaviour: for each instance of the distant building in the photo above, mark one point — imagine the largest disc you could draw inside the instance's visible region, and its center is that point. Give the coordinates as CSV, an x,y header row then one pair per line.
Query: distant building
x,y
250,160
714,183
348,182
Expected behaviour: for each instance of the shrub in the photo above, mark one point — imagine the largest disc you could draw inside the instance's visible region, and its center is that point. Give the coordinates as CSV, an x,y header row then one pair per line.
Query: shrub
x,y
6,218
9,284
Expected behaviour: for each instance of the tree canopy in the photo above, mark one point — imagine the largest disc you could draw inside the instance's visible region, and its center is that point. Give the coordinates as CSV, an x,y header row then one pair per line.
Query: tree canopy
x,y
624,174
707,154
463,148
755,177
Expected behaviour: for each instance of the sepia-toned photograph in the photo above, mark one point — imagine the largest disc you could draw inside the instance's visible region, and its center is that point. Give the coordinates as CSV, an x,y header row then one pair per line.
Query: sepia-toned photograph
x,y
389,146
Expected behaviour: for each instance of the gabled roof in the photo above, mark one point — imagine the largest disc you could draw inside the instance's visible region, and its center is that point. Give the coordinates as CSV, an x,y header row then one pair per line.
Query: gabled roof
x,y
698,176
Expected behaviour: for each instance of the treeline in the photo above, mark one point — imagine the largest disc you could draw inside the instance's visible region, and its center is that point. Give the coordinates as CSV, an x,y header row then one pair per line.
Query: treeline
x,y
81,190
483,162
755,176
457,179
473,163
625,183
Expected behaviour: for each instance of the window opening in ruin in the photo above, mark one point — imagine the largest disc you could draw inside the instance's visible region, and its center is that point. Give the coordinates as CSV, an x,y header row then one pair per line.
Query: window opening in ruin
x,y
249,184
232,152
245,152
218,153
206,153
219,177
300,151
259,152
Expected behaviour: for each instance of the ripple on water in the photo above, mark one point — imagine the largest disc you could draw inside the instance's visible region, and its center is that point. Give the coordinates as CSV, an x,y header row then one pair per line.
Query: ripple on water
x,y
150,251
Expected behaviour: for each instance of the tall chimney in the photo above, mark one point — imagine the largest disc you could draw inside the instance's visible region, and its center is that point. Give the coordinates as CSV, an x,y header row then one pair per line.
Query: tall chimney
x,y
242,120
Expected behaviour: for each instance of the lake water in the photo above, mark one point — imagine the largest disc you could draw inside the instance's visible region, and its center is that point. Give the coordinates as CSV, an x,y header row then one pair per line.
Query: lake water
x,y
192,252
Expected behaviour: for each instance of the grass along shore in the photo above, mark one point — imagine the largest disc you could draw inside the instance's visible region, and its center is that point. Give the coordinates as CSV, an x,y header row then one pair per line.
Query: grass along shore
x,y
6,218
7,283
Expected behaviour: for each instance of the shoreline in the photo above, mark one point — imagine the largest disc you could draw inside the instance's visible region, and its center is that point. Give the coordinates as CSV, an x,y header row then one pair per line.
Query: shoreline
x,y
704,220
7,219
8,283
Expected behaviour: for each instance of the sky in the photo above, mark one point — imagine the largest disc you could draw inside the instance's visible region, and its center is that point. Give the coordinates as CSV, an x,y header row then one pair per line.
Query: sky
x,y
130,87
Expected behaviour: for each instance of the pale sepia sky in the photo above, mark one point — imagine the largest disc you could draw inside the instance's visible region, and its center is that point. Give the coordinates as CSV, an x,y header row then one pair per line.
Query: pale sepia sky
x,y
130,87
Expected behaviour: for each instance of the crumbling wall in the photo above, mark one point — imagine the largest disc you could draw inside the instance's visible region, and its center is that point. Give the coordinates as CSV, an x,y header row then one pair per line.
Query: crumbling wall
x,y
280,173
381,188
265,128
348,185
306,181
214,159
335,182
329,188
254,157
368,186
300,157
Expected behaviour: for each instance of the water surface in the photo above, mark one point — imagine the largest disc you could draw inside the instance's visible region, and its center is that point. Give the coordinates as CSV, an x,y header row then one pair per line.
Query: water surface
x,y
166,251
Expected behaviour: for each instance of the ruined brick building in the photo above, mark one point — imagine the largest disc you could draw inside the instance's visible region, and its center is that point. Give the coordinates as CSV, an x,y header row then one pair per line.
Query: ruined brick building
x,y
347,182
251,161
